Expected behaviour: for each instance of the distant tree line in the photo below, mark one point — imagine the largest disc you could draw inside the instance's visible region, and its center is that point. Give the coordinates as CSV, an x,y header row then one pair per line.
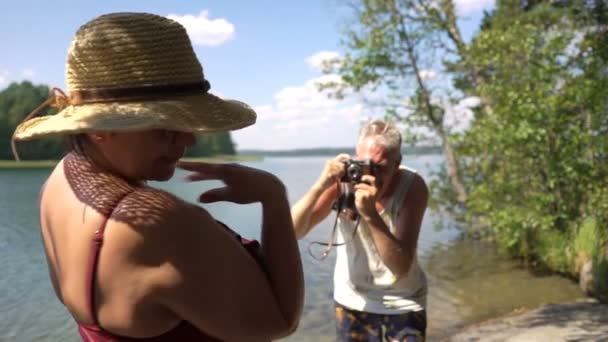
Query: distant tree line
x,y
19,99
333,151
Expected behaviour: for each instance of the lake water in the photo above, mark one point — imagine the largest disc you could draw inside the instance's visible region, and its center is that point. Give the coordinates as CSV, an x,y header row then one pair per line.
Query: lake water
x,y
468,280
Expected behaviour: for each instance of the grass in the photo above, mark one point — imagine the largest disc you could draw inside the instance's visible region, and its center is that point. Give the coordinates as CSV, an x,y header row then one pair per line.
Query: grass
x,y
27,164
225,158
554,250
47,164
586,239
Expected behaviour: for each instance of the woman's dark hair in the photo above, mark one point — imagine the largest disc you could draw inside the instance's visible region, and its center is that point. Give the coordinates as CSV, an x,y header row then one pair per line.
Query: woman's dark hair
x,y
75,143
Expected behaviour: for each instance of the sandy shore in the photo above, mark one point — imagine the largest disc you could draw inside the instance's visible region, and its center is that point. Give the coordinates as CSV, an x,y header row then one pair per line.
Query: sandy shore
x,y
582,320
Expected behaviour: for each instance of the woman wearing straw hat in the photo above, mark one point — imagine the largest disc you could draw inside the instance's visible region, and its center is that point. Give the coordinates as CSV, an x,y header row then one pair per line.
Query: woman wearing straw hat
x,y
133,262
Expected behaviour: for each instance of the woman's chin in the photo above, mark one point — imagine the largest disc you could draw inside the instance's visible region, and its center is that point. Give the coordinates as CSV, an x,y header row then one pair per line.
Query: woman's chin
x,y
162,173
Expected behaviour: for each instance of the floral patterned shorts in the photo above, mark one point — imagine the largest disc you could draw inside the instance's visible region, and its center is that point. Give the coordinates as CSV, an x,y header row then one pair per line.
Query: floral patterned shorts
x,y
352,325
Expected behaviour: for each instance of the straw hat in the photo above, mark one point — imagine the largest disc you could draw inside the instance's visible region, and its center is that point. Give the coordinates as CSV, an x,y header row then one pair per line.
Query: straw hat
x,y
134,71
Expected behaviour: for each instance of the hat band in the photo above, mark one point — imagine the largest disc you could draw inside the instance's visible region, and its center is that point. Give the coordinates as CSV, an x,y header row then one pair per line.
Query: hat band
x,y
78,97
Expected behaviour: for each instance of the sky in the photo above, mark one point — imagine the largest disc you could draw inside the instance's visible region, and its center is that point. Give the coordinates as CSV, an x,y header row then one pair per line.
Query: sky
x,y
265,53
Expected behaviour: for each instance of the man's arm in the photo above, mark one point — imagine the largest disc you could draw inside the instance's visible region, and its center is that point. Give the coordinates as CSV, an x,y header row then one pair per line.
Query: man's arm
x,y
312,208
315,205
398,251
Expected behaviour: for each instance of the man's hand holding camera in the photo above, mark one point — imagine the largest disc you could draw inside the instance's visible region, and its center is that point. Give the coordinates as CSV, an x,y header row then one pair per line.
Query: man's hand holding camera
x,y
365,197
334,170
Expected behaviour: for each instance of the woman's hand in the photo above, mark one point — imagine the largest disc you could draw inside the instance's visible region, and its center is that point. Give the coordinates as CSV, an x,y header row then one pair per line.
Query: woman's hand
x,y
243,184
332,172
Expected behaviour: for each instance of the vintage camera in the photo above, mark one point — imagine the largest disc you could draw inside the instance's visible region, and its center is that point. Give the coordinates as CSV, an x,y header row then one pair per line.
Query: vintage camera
x,y
355,169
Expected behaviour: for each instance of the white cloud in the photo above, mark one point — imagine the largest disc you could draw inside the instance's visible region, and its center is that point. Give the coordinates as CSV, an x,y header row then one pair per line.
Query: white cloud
x,y
458,117
303,117
469,102
316,61
472,6
428,74
3,77
205,31
28,73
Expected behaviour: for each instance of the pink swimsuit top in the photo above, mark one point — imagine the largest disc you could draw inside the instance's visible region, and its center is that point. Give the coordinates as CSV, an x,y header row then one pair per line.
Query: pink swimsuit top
x,y
182,332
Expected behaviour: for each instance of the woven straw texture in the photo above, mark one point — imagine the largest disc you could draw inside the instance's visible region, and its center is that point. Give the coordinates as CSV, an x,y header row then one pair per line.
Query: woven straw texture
x,y
130,50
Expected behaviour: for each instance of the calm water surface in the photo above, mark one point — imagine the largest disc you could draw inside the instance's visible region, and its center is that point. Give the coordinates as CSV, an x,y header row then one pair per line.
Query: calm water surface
x,y
468,281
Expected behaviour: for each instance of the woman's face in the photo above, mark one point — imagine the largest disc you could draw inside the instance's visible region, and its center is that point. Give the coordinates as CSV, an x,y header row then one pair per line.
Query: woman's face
x,y
143,155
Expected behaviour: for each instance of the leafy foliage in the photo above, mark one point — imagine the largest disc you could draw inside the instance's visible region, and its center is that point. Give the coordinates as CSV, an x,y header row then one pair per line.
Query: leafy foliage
x,y
537,168
16,101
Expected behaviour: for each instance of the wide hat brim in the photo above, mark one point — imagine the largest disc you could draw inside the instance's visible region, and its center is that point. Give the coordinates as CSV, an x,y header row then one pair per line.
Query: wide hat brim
x,y
199,113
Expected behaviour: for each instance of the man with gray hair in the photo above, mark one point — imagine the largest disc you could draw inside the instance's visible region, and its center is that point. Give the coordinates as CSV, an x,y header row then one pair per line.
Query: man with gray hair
x,y
379,288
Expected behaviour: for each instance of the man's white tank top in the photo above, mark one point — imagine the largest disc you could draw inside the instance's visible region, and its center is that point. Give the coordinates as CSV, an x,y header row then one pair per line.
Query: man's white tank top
x,y
361,280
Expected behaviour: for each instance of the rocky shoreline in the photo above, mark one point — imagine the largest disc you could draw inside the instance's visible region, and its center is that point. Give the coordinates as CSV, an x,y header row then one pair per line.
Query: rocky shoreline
x,y
581,320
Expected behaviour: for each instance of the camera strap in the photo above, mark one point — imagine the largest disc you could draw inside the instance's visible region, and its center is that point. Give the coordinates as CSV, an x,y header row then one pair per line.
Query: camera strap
x,y
331,243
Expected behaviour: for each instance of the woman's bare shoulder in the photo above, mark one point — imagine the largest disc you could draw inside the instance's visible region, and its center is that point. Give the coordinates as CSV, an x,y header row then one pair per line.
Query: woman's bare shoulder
x,y
152,224
147,207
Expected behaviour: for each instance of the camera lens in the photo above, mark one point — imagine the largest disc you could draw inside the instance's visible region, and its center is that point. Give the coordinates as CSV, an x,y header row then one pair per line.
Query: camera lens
x,y
354,172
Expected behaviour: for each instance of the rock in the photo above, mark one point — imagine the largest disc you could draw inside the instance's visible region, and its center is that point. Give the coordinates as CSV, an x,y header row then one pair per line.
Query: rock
x,y
582,320
585,279
600,278
593,277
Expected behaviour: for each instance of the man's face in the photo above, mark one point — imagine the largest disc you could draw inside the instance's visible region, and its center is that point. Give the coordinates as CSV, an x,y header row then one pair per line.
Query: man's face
x,y
387,164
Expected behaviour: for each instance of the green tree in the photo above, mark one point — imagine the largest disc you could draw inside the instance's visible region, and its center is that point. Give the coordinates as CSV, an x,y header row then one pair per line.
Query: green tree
x,y
16,101
536,169
225,144
212,144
